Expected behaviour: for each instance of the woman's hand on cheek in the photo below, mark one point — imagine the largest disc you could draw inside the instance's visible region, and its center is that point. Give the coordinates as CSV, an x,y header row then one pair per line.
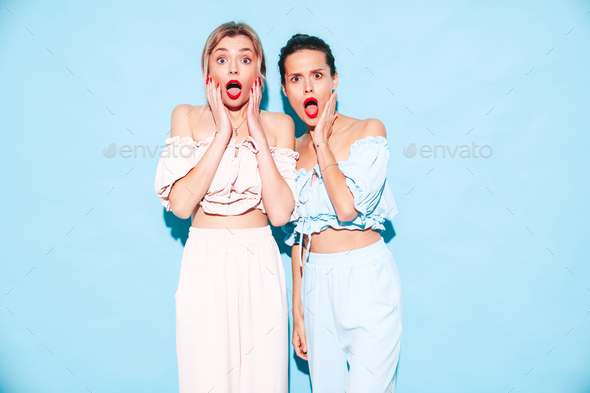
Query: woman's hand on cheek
x,y
218,108
323,128
253,114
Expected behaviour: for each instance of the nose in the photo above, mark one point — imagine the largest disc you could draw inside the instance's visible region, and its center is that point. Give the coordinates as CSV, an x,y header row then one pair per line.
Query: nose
x,y
233,67
308,87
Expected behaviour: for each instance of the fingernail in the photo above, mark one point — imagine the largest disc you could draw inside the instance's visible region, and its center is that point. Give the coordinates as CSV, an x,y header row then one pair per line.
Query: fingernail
x,y
251,90
217,84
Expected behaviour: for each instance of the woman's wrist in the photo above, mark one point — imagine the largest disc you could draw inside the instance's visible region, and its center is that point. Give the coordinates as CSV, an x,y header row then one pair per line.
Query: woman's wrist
x,y
322,143
261,141
321,147
324,154
224,129
297,304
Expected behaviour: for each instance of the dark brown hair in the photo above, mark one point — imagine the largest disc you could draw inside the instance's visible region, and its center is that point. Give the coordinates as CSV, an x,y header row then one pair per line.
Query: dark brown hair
x,y
301,42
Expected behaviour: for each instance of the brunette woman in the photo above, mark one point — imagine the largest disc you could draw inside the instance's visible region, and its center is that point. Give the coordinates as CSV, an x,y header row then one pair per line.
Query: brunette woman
x,y
347,296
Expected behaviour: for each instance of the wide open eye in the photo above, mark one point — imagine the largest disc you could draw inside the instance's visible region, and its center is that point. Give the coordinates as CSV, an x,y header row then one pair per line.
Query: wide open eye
x,y
317,75
246,60
295,79
222,60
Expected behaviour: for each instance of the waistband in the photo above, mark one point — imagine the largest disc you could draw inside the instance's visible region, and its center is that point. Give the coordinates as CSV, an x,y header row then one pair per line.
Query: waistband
x,y
216,236
355,257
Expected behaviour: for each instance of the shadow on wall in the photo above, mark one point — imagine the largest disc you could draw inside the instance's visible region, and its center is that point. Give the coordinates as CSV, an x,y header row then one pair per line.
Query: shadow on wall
x,y
178,227
302,366
389,232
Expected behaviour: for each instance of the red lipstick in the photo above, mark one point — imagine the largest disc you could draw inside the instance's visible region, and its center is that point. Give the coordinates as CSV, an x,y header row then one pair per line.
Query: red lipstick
x,y
311,107
233,89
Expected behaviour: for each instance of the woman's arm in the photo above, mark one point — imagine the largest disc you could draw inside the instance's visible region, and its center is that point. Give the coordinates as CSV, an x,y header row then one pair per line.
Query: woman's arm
x,y
188,191
276,194
340,194
335,182
299,341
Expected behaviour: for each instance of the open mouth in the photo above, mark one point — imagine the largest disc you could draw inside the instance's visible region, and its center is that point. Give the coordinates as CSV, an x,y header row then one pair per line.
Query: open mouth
x,y
233,88
310,106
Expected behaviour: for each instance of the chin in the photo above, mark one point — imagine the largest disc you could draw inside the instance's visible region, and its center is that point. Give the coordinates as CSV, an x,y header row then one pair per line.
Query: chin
x,y
228,102
307,120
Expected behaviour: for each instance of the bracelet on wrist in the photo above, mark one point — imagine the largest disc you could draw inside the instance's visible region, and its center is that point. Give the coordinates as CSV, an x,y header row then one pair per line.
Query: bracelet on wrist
x,y
318,144
334,163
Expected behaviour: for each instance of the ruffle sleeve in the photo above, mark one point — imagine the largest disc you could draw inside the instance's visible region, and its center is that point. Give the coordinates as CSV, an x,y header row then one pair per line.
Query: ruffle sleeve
x,y
176,160
286,162
366,172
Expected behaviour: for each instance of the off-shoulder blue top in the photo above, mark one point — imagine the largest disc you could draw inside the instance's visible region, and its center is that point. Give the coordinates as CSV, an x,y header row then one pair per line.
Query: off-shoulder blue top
x,y
366,176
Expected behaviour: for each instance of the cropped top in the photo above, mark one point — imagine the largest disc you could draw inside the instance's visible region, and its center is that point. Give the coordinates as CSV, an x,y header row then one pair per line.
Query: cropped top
x,y
366,177
236,186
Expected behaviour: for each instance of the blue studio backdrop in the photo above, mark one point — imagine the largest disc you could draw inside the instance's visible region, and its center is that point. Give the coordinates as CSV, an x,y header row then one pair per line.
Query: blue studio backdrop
x,y
486,110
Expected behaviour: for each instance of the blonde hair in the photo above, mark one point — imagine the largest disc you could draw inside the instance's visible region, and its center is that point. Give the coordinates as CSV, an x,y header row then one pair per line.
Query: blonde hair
x,y
232,29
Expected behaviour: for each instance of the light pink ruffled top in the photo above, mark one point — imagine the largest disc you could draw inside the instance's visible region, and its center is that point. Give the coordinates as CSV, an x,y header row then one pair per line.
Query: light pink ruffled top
x,y
236,187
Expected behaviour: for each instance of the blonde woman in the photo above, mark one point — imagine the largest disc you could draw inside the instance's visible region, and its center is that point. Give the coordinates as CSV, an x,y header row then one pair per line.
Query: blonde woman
x,y
347,292
230,167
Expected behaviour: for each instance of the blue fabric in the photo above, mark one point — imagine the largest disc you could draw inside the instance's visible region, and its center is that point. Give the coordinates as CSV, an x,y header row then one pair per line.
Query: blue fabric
x,y
352,310
366,176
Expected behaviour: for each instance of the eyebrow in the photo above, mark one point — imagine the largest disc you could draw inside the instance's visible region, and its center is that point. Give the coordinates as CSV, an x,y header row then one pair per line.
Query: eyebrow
x,y
311,72
241,50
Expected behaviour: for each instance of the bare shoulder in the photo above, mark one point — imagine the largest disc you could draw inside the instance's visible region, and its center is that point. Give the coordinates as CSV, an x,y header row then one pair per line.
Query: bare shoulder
x,y
183,119
279,128
371,127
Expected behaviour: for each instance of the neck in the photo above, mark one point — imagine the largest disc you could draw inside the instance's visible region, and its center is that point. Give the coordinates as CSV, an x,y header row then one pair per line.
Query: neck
x,y
237,114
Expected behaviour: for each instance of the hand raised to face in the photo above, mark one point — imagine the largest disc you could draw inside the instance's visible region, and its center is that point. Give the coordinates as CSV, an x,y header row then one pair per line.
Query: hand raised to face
x,y
253,114
218,110
324,128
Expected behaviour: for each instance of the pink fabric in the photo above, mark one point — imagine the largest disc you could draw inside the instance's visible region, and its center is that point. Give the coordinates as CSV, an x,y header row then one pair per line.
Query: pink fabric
x,y
231,313
236,186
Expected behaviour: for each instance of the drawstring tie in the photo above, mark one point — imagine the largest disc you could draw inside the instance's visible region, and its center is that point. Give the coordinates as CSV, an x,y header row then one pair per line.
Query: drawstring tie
x,y
305,219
